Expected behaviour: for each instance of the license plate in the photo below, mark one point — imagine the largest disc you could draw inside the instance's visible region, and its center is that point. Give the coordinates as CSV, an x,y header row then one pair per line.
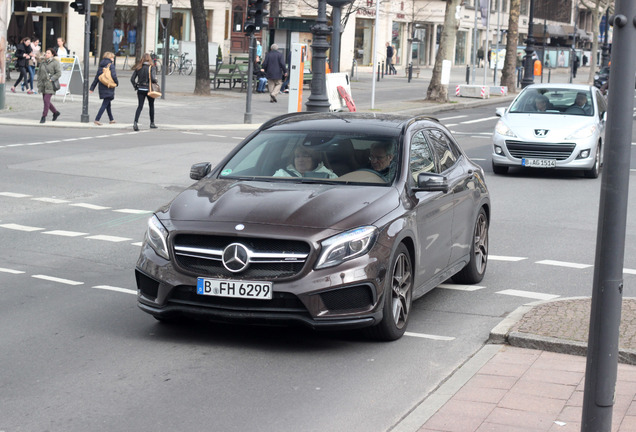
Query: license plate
x,y
539,163
234,288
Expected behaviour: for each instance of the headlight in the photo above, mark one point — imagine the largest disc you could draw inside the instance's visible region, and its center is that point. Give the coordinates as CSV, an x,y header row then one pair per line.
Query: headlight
x,y
596,77
157,236
502,129
584,132
345,246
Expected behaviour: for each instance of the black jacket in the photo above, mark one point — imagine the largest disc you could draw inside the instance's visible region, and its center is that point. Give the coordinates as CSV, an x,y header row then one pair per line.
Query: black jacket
x,y
141,79
19,53
274,65
105,92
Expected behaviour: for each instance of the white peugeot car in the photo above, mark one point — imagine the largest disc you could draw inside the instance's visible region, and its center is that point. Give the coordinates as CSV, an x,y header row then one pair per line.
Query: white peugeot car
x,y
551,126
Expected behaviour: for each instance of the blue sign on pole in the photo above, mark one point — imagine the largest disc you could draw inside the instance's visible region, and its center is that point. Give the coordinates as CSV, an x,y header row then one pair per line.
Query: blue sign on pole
x,y
603,26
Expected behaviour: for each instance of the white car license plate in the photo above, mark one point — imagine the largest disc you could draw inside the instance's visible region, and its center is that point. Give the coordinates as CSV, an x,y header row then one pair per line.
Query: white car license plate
x,y
234,288
539,163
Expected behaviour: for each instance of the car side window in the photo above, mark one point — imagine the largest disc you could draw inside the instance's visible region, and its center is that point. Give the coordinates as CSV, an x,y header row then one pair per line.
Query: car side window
x,y
602,105
421,157
445,150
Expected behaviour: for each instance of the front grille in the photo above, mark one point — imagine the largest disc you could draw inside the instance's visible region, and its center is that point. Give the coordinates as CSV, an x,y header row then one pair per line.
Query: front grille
x,y
280,302
270,258
521,150
357,297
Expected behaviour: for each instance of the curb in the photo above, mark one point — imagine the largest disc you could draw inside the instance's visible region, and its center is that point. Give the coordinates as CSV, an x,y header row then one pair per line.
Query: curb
x,y
502,334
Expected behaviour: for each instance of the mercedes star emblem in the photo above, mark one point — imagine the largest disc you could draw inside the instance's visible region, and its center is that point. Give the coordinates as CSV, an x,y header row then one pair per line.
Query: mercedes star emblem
x,y
235,257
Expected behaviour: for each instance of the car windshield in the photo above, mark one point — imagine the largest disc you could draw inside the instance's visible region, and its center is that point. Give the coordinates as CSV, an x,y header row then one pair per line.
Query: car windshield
x,y
317,157
554,101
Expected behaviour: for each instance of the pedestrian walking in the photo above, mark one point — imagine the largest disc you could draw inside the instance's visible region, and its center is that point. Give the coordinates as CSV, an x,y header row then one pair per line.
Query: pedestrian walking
x,y
575,65
62,51
389,58
144,75
106,94
48,72
23,54
274,68
393,58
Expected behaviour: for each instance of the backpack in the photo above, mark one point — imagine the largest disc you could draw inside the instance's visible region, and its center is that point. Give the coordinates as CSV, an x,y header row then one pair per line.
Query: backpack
x,y
106,78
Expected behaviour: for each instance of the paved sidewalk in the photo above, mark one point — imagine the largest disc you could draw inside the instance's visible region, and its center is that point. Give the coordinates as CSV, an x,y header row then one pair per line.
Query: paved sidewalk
x,y
536,382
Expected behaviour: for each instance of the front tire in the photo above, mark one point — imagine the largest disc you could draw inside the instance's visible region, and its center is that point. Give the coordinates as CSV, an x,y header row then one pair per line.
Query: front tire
x,y
474,271
398,298
596,169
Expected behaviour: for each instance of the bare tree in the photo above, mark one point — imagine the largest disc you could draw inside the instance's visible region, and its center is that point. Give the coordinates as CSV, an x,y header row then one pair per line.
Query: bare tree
x,y
508,74
108,25
436,90
202,81
597,8
415,15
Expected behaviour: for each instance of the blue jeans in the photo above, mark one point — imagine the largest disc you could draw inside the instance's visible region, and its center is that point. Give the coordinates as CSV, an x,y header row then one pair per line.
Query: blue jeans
x,y
31,71
262,82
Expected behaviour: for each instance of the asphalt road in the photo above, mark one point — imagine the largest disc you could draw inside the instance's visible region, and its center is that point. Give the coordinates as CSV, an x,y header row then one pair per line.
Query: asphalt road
x,y
76,354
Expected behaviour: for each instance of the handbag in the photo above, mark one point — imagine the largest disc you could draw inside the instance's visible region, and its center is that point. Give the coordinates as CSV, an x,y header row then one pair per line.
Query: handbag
x,y
155,90
106,78
55,83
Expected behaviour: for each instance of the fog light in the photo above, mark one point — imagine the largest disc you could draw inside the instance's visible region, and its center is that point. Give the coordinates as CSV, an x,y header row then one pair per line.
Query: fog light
x,y
584,154
498,150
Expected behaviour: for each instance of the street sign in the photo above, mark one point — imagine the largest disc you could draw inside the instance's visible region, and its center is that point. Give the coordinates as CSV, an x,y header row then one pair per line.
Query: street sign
x,y
38,9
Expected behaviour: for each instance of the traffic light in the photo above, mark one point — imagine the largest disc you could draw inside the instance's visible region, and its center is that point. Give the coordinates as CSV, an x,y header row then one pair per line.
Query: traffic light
x,y
250,22
261,12
79,6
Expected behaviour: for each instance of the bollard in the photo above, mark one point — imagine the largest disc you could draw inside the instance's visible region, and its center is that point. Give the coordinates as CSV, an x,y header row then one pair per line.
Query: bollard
x,y
410,71
467,74
549,72
382,69
378,78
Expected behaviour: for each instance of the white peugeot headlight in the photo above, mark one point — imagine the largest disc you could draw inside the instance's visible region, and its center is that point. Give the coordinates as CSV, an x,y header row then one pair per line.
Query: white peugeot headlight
x,y
157,237
346,246
503,129
584,132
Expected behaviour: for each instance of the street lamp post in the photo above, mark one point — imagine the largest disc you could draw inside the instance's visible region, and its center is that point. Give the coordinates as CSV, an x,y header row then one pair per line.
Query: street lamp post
x,y
528,76
605,55
318,101
87,40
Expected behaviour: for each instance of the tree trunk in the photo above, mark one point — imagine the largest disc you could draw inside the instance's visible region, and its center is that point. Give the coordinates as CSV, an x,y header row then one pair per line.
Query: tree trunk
x,y
108,25
509,72
436,90
202,81
140,30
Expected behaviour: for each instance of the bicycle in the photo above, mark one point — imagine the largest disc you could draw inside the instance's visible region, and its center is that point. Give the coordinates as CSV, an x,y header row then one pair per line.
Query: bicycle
x,y
156,61
184,66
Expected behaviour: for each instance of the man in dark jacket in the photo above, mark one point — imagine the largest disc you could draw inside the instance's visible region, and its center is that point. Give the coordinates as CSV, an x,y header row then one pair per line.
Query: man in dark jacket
x,y
275,71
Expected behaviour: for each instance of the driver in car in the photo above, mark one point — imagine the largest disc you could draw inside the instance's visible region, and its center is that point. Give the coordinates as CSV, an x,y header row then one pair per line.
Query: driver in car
x,y
581,102
380,158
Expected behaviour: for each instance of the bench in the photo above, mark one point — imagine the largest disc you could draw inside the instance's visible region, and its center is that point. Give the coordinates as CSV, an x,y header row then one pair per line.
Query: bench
x,y
307,77
223,74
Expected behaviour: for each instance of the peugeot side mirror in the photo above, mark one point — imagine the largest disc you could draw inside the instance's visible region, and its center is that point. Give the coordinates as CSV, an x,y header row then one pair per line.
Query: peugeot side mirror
x,y
200,170
430,182
499,112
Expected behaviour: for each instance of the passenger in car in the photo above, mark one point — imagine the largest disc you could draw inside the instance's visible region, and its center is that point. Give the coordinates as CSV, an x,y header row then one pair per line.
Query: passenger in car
x,y
380,158
305,162
541,103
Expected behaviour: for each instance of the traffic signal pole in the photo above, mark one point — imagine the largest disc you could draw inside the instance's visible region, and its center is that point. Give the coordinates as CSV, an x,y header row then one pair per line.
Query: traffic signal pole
x,y
87,41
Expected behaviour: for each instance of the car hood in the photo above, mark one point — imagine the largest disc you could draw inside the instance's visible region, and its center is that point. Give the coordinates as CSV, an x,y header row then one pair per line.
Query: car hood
x,y
279,203
557,126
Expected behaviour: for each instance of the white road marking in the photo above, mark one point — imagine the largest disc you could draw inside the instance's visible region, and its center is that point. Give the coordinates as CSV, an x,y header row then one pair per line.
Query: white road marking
x,y
451,125
113,239
478,159
453,117
17,145
629,271
461,287
35,143
193,133
479,136
20,227
479,120
132,211
137,244
528,294
69,139
58,280
84,138
238,138
90,206
14,195
505,258
11,271
428,336
216,136
564,264
112,288
51,200
51,142
65,233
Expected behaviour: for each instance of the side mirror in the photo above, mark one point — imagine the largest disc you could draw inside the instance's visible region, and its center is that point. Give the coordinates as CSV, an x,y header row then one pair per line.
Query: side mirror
x,y
499,112
430,182
200,170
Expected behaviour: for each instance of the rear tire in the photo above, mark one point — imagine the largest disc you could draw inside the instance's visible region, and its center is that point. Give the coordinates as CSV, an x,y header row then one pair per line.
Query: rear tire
x,y
474,271
187,67
398,296
499,169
